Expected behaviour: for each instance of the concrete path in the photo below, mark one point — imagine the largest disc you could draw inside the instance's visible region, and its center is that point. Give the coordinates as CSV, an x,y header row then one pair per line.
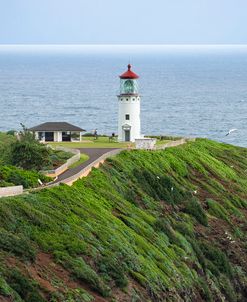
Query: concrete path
x,y
93,153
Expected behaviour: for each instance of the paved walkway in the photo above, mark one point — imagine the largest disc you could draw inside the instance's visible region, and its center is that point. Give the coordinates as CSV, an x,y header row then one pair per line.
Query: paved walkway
x,y
93,153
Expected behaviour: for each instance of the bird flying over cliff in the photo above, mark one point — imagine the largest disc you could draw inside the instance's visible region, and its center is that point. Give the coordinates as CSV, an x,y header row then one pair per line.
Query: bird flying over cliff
x,y
230,131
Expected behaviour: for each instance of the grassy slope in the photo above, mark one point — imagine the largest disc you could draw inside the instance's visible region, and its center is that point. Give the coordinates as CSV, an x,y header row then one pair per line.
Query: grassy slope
x,y
147,226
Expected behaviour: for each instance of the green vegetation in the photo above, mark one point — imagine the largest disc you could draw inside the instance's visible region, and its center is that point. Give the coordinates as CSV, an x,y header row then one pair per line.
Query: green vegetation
x,y
103,142
162,142
5,148
28,153
83,158
91,142
194,208
21,160
10,176
168,225
56,159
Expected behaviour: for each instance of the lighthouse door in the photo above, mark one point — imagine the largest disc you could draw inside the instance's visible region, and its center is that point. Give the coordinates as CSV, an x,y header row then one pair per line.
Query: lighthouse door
x,y
127,135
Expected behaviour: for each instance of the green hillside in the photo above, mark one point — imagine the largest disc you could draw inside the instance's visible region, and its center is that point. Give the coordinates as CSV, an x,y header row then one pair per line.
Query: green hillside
x,y
147,226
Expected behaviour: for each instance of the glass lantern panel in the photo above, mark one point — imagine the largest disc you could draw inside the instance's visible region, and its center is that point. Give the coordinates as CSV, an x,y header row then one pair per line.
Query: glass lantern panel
x,y
128,86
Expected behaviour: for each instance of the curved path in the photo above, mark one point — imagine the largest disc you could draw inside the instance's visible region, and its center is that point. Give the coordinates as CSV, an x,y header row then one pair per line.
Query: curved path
x,y
93,153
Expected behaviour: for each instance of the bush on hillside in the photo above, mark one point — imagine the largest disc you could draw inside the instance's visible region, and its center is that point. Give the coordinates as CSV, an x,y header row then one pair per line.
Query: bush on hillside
x,y
5,148
11,132
57,158
18,245
28,153
27,289
194,208
10,175
217,257
217,210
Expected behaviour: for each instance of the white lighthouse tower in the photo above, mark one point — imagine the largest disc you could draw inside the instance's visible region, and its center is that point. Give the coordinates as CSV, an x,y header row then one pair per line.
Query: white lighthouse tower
x,y
129,121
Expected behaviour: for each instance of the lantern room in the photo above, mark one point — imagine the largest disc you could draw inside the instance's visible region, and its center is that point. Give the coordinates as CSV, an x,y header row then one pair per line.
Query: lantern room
x,y
128,82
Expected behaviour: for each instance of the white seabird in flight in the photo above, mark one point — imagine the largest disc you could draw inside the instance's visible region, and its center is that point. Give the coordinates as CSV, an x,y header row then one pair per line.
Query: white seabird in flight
x,y
230,131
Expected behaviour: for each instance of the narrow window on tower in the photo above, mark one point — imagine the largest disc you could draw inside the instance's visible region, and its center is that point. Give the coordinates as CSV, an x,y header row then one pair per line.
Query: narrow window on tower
x,y
127,117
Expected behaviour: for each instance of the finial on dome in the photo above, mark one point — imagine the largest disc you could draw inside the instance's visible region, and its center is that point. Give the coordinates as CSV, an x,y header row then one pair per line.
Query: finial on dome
x,y
129,74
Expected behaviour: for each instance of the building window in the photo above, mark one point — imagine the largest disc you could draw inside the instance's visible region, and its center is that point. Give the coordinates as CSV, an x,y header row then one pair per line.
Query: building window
x,y
127,99
127,117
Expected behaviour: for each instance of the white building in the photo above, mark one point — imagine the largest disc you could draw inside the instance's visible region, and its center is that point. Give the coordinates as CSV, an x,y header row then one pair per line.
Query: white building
x,y
57,132
129,121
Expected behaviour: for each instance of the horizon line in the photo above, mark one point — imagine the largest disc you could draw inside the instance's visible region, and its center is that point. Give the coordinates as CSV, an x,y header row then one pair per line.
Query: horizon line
x,y
94,44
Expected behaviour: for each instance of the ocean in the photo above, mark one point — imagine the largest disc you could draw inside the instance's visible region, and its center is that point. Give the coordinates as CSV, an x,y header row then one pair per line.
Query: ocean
x,y
197,91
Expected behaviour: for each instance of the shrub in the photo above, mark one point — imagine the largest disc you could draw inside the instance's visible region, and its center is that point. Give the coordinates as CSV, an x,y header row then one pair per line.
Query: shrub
x,y
161,187
217,257
57,158
4,183
23,286
85,273
11,132
5,148
18,176
29,153
163,225
115,268
217,210
194,208
228,289
184,228
199,254
18,245
72,295
4,287
206,294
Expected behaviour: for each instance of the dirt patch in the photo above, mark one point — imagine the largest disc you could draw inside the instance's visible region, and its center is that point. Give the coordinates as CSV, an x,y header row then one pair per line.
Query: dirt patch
x,y
133,289
50,276
6,299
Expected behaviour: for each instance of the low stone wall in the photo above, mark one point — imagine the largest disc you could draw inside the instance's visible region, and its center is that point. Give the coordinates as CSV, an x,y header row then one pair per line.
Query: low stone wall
x,y
65,166
145,143
11,191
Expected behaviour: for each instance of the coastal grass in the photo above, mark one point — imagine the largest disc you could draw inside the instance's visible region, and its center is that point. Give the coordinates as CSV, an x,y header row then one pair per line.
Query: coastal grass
x,y
145,226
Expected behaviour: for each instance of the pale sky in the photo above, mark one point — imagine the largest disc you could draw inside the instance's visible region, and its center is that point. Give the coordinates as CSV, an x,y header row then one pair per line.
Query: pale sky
x,y
123,22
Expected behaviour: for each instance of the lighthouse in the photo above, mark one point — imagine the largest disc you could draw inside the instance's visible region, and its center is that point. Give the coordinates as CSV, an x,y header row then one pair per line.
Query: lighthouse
x,y
129,121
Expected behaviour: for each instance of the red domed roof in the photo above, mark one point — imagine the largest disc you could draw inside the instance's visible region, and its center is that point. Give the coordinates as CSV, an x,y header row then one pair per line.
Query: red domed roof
x,y
129,74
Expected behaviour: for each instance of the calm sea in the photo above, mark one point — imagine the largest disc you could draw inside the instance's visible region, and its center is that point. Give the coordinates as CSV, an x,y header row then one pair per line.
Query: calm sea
x,y
189,91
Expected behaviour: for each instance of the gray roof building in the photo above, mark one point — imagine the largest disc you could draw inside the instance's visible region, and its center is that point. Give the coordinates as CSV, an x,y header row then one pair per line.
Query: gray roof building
x,y
57,132
56,126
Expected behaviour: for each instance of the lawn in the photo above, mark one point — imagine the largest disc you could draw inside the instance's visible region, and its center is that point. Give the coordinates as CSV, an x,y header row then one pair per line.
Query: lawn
x,y
83,158
162,142
90,142
101,142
